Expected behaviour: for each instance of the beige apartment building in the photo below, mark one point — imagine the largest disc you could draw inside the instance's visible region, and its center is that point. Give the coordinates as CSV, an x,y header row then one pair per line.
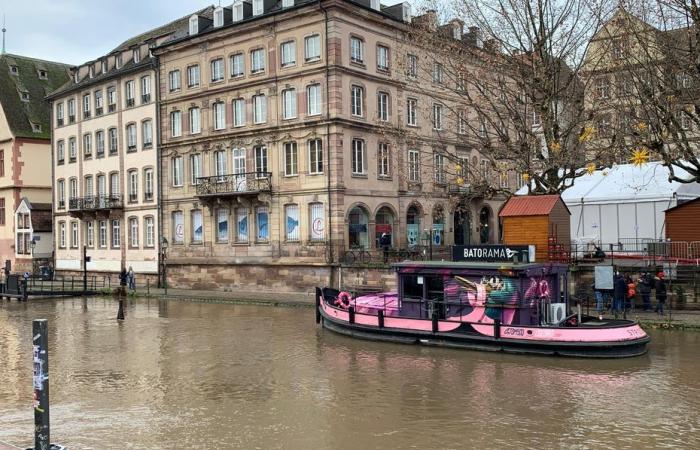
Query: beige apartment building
x,y
105,161
292,132
25,149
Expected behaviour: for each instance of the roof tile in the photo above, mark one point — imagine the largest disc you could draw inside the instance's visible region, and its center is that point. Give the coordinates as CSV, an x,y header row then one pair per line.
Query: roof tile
x,y
529,205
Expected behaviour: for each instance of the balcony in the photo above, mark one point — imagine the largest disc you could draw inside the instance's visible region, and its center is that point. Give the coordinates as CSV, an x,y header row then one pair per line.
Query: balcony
x,y
94,205
230,185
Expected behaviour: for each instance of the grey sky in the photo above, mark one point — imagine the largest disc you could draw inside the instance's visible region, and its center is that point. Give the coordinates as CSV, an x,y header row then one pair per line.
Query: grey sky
x,y
75,31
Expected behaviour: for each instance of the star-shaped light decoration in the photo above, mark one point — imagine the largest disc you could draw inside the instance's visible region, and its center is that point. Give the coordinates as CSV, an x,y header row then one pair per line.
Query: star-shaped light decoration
x,y
642,126
526,177
459,181
590,168
640,157
555,146
458,168
586,134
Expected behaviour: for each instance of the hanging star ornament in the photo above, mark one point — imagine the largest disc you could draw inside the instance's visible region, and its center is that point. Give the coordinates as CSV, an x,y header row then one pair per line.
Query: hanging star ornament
x,y
640,157
590,168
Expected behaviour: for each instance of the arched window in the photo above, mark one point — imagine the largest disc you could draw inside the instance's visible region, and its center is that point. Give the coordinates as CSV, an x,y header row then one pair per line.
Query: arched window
x,y
384,221
358,235
413,226
485,225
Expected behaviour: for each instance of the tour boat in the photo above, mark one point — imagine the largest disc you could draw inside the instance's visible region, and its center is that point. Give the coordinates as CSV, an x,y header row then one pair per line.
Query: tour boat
x,y
511,307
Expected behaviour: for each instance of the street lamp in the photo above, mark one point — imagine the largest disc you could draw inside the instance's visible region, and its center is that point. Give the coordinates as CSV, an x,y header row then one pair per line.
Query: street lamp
x,y
163,249
32,245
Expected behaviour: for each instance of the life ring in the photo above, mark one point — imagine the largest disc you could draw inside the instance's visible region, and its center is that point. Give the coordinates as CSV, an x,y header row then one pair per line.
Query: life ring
x,y
343,300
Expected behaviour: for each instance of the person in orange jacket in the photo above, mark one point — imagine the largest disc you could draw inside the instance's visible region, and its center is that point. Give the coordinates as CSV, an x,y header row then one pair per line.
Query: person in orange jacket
x,y
631,292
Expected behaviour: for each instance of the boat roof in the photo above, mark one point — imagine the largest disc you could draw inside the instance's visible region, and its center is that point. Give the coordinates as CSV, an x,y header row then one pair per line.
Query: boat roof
x,y
475,265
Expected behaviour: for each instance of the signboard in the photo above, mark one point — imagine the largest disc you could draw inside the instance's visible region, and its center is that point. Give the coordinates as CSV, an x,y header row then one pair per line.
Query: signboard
x,y
604,278
492,253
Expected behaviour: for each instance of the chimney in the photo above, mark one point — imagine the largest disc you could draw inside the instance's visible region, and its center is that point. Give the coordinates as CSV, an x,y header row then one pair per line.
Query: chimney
x,y
492,45
428,20
473,37
457,28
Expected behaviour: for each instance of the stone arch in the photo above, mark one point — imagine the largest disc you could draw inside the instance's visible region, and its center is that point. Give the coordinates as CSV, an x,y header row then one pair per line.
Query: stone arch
x,y
358,218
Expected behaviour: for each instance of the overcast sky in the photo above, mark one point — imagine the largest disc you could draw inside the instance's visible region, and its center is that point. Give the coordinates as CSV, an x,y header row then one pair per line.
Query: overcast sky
x,y
76,31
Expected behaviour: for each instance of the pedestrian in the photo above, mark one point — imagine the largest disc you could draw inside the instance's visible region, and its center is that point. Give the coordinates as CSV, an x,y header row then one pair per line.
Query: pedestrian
x,y
599,303
619,292
660,286
631,293
132,279
644,283
385,243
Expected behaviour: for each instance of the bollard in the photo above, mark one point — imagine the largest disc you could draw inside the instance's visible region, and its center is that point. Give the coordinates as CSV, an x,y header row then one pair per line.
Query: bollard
x,y
435,321
351,311
380,318
497,328
40,343
318,305
120,313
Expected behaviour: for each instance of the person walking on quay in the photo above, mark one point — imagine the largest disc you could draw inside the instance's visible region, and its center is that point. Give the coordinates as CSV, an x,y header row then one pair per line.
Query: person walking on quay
x,y
660,287
631,293
131,277
599,301
644,283
619,293
385,243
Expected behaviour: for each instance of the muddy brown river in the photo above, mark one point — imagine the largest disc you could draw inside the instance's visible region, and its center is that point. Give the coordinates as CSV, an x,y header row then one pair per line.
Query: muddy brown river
x,y
212,376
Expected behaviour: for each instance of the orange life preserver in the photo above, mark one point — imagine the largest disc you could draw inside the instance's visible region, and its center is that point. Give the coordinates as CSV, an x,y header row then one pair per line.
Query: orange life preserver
x,y
343,300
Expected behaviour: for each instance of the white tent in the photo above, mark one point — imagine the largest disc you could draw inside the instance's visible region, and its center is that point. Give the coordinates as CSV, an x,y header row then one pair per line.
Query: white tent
x,y
624,202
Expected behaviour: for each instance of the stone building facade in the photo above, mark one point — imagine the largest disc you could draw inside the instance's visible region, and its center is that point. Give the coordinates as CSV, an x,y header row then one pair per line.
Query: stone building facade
x,y
291,134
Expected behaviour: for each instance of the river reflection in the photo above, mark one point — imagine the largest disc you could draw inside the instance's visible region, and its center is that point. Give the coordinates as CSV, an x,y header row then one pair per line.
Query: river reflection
x,y
188,375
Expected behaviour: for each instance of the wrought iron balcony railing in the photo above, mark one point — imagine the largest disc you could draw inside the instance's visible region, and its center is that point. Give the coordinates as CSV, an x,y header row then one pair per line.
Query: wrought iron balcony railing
x,y
95,203
234,184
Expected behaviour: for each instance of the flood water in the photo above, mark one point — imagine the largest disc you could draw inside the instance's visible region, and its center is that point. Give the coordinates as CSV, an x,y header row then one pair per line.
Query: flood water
x,y
211,376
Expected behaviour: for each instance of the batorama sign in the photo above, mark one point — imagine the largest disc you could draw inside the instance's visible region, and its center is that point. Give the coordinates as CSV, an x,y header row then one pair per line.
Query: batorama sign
x,y
493,253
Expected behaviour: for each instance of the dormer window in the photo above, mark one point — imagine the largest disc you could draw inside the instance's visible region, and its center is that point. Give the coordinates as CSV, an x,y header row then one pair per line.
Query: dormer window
x,y
456,32
118,61
43,75
104,66
219,17
36,128
374,4
14,70
287,3
137,55
238,11
406,12
194,25
24,95
91,71
257,7
76,77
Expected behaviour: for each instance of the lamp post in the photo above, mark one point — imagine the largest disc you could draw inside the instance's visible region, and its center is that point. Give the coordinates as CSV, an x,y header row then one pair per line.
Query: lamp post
x,y
163,249
32,245
428,235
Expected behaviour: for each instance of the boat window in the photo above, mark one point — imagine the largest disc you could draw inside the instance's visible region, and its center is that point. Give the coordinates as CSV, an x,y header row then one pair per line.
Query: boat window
x,y
436,288
413,286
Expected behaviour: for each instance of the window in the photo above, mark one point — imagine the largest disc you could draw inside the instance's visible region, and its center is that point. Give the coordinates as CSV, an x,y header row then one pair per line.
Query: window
x,y
261,222
483,130
114,184
195,121
2,211
175,124
358,157
147,133
222,225
357,50
291,159
2,163
412,112
289,104
86,106
602,87
259,109
74,235
287,3
194,25
242,225
101,186
237,65
131,137
356,101
118,61
134,232
195,168
317,221
71,110
289,53
150,231
90,234
461,81
99,103
219,116
291,223
145,89
312,48
177,171
60,152
382,58
61,234
174,80
103,233
257,60
383,106
178,227
130,93
220,164
193,76
72,150
59,114
313,98
113,141
503,176
217,70
136,55
218,17
684,120
100,143
60,195
411,66
438,73
384,160
116,237
111,99
462,122
87,146
72,188
260,160
439,168
437,116
133,186
148,185
315,156
88,188
258,7
197,226
413,166
238,112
